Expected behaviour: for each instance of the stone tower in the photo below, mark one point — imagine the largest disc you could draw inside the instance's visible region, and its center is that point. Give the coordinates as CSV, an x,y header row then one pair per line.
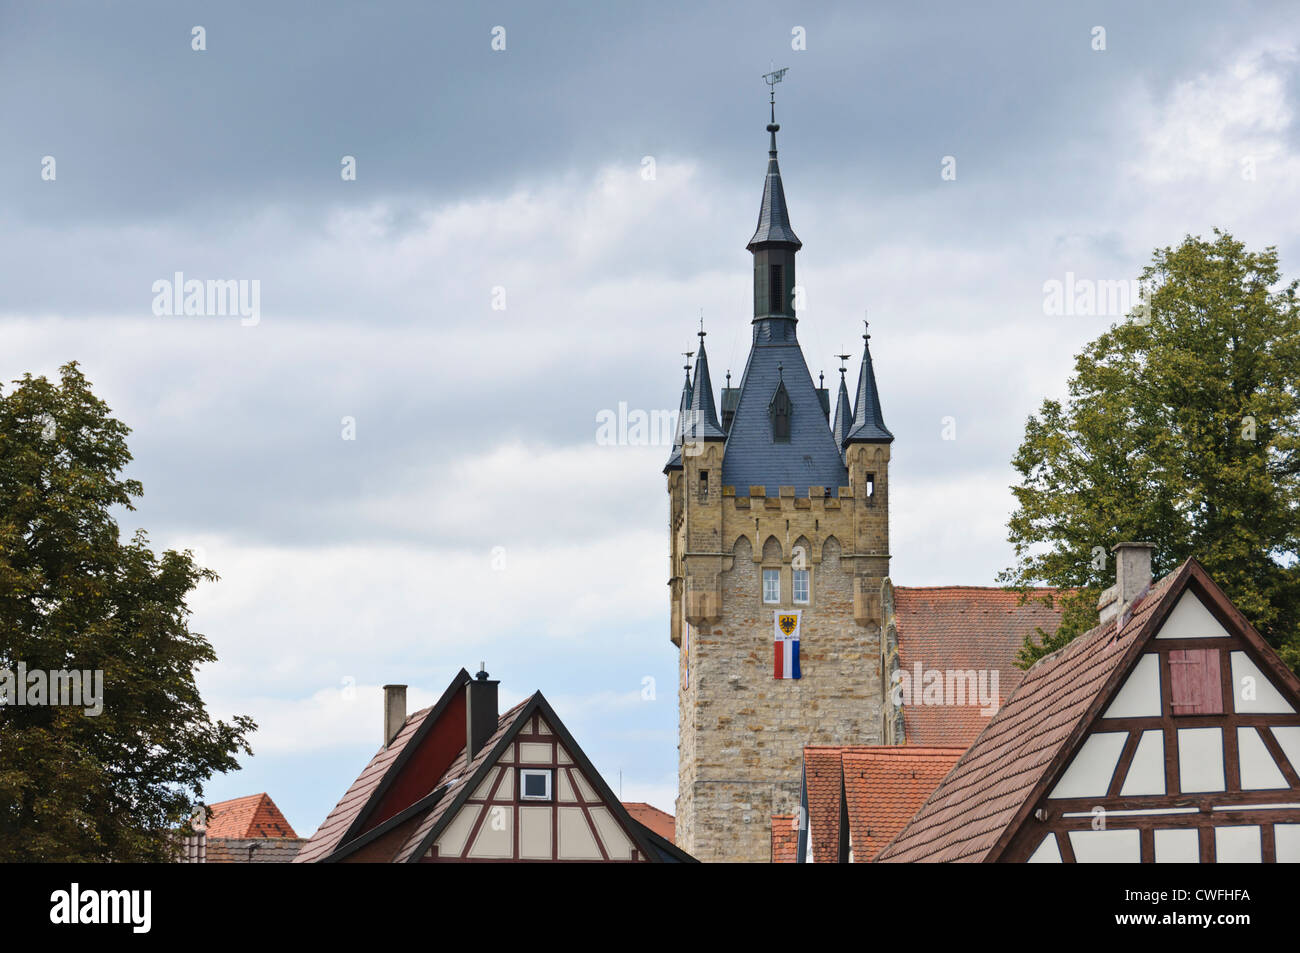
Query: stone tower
x,y
774,508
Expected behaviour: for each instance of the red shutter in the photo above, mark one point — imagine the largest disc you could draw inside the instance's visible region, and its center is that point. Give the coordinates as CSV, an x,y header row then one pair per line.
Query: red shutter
x,y
1195,687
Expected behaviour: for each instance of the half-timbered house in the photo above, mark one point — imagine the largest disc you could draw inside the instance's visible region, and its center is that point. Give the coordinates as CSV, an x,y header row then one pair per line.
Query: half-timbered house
x,y
1169,733
460,782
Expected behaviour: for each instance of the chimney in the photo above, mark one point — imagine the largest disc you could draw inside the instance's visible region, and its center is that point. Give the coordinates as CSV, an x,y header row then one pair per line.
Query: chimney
x,y
480,711
394,711
1132,579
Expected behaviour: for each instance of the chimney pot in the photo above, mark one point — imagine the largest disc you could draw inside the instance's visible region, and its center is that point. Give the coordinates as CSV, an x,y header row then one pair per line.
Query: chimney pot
x,y
394,711
1132,574
481,713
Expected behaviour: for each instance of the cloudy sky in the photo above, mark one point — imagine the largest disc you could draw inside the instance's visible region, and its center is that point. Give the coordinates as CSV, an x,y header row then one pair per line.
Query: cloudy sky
x,y
596,180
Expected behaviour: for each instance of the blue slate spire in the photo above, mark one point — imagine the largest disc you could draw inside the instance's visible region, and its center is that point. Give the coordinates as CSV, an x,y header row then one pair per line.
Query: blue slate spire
x,y
868,421
843,413
803,453
675,458
702,418
773,216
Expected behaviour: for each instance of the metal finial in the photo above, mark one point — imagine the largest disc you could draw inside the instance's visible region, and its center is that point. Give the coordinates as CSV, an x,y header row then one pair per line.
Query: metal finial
x,y
728,378
687,365
780,373
843,358
866,336
772,79
821,379
702,331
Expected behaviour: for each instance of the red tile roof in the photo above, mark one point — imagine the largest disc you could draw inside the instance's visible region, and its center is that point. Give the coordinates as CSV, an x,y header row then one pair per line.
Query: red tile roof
x,y
253,816
661,822
963,628
823,777
257,850
974,805
884,786
785,839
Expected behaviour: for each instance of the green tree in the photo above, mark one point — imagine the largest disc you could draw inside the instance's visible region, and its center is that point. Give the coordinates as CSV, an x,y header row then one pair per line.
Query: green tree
x,y
1182,428
73,595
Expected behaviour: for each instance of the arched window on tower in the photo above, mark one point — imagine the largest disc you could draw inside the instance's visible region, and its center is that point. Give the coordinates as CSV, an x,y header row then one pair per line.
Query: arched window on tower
x,y
780,411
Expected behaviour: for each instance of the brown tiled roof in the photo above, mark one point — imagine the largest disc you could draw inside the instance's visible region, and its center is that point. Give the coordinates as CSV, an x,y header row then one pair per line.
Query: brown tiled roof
x,y
328,836
455,779
785,839
661,822
884,786
979,799
253,850
964,627
253,816
823,776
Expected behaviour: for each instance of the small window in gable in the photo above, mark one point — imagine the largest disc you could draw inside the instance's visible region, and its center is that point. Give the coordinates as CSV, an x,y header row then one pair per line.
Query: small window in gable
x,y
1195,685
534,784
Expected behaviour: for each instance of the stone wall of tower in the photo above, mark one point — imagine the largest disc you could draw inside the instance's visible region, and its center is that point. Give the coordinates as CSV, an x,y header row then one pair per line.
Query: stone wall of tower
x,y
741,731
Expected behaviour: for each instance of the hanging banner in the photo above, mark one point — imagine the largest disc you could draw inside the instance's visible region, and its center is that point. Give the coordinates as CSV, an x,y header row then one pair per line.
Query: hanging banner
x,y
785,626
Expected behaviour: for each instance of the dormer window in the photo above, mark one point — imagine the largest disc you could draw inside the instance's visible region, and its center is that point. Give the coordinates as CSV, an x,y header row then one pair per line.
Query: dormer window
x,y
780,410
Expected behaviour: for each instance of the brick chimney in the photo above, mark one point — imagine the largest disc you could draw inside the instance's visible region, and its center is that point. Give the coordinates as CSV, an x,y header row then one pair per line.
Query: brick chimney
x,y
1132,579
480,711
394,711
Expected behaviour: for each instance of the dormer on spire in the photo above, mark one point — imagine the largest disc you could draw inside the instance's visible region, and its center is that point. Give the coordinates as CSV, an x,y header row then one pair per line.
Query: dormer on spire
x,y
868,421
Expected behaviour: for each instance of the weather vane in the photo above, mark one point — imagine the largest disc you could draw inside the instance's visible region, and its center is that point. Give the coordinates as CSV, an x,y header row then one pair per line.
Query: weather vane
x,y
772,79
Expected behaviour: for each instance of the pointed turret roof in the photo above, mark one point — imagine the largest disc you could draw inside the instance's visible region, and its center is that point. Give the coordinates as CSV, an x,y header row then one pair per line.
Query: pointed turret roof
x,y
868,421
675,458
773,216
702,419
843,414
